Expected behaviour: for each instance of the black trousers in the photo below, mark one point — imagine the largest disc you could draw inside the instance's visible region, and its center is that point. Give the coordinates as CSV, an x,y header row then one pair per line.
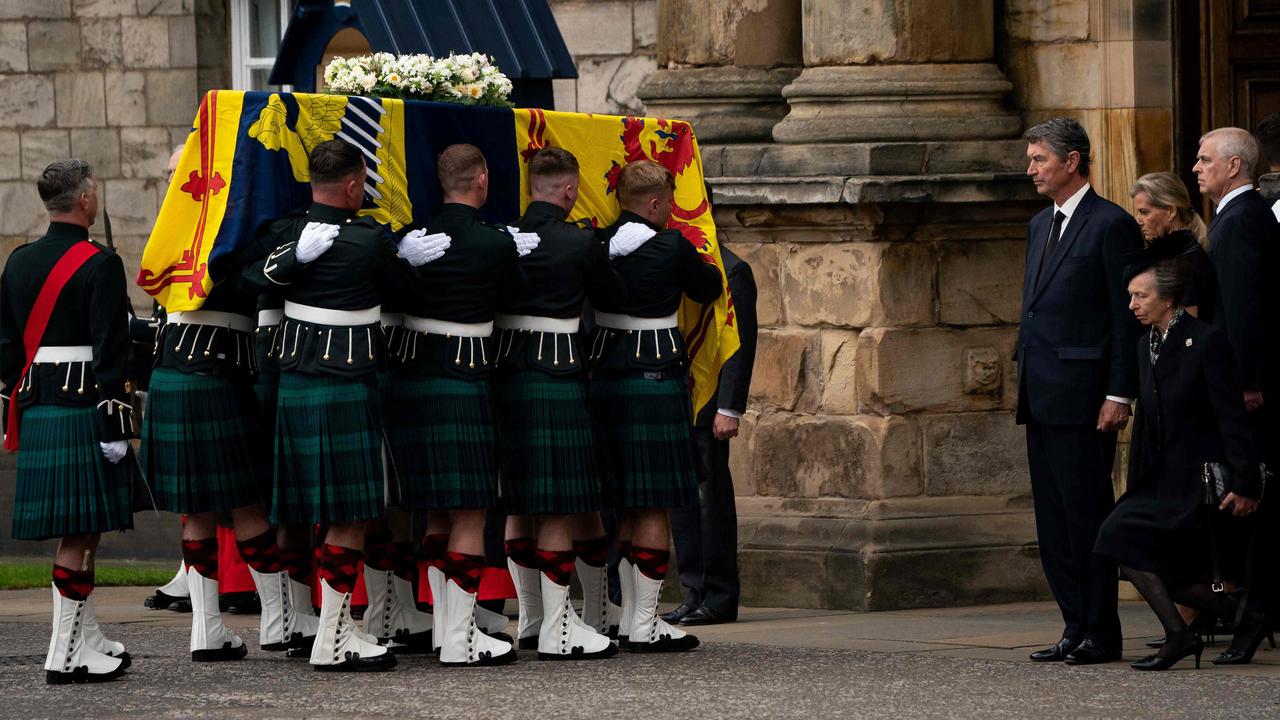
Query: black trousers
x,y
706,536
1264,595
1071,487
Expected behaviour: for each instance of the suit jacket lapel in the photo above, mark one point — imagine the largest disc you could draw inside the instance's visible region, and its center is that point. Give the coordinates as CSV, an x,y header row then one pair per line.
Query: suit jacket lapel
x,y
1074,224
1035,250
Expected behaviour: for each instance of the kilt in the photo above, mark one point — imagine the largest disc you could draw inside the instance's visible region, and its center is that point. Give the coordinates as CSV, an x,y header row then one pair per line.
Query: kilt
x,y
647,433
267,387
442,438
386,394
548,457
64,485
203,445
328,450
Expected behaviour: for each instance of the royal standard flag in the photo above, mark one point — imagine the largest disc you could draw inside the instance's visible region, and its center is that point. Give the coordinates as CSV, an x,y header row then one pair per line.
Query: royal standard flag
x,y
245,164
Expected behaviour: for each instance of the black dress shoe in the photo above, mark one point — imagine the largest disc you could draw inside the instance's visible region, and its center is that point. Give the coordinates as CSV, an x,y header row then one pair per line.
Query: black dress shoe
x,y
240,603
1055,653
680,613
1253,630
1092,652
706,616
161,601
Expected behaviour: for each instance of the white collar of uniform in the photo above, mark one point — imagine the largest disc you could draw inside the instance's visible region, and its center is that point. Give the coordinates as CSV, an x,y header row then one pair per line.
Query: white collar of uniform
x,y
1227,198
1068,208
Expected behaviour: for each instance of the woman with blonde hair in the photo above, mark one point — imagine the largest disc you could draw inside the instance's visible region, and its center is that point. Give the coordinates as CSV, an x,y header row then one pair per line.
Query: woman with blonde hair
x,y
1162,207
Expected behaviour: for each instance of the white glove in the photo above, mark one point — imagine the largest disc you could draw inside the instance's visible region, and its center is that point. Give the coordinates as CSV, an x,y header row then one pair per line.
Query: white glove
x,y
525,241
419,248
114,451
629,238
316,238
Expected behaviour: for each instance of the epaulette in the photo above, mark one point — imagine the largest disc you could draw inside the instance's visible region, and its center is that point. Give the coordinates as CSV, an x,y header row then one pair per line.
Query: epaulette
x,y
102,247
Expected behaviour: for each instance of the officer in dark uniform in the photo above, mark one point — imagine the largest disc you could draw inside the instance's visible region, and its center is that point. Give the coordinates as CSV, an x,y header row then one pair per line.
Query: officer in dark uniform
x,y
64,351
550,470
206,452
640,394
442,431
328,438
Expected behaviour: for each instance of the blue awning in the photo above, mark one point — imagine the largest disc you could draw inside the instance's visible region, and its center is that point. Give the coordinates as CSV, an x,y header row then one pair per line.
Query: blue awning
x,y
521,35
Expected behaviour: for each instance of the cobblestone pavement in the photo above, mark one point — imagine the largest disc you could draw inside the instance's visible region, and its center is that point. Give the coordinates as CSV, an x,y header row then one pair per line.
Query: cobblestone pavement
x,y
774,663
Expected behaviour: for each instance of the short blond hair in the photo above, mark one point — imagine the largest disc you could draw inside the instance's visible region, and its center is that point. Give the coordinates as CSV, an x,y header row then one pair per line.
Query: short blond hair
x,y
1166,190
643,179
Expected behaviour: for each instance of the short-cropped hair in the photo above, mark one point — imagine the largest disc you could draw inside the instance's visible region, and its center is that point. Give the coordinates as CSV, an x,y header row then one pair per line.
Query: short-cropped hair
x,y
643,179
552,162
62,182
458,166
1234,142
1062,135
334,161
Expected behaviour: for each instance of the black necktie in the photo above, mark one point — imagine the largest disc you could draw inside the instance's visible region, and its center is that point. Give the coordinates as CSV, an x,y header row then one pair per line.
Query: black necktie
x,y
1054,235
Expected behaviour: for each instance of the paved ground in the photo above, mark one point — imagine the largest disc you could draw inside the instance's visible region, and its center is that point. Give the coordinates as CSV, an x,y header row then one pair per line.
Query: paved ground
x,y
949,663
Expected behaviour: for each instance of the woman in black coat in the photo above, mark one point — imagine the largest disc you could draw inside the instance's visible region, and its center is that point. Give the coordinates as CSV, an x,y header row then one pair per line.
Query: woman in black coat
x,y
1190,411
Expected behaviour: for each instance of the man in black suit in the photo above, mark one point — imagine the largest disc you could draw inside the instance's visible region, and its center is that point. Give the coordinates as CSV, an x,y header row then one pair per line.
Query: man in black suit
x,y
1242,244
706,536
1077,376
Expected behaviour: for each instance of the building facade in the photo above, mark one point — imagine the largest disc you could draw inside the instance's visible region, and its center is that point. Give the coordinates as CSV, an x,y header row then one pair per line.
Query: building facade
x,y
864,158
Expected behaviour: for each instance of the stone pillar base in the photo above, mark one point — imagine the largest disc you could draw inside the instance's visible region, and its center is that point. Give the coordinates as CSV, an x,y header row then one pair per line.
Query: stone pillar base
x,y
852,103
724,104
887,554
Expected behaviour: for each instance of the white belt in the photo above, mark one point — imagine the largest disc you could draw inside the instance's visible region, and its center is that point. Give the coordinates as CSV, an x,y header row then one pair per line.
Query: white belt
x,y
213,318
325,316
444,327
535,323
630,322
270,317
392,319
64,353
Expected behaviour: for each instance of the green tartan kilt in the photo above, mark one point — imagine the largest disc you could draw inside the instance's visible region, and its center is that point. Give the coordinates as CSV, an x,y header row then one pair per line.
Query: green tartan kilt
x,y
442,438
204,448
267,387
64,485
386,393
650,455
549,463
328,441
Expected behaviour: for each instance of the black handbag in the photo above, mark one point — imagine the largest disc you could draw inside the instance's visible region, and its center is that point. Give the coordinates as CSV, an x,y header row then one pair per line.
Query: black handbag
x,y
1218,477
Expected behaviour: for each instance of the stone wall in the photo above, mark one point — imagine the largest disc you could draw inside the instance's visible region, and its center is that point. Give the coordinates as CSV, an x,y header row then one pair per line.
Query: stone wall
x,y
1107,63
115,82
614,44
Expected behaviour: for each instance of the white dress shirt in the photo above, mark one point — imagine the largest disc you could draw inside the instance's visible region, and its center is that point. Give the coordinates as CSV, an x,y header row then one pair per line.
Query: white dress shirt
x,y
1227,198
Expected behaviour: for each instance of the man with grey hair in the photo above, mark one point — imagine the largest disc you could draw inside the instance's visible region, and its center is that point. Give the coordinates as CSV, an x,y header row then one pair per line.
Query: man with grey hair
x,y
1242,244
64,350
1077,375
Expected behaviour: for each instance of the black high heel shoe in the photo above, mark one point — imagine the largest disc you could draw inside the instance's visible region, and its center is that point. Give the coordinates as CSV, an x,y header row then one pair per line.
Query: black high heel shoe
x,y
1254,628
1164,662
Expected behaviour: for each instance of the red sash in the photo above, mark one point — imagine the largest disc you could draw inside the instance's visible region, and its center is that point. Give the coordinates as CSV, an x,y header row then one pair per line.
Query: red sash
x,y
38,322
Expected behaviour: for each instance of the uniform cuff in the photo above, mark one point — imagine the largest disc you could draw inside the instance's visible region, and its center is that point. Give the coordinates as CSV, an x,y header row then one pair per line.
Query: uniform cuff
x,y
1116,398
729,413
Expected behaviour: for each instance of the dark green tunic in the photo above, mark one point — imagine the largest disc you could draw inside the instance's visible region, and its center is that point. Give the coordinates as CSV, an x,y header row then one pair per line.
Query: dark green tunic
x,y
64,485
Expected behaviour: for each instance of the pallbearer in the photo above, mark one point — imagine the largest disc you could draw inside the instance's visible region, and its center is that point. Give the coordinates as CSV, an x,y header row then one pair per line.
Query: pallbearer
x,y
442,430
64,350
640,395
549,465
328,439
206,452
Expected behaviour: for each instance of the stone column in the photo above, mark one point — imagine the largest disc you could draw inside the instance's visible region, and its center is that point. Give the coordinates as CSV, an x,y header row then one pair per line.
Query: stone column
x,y
724,64
887,70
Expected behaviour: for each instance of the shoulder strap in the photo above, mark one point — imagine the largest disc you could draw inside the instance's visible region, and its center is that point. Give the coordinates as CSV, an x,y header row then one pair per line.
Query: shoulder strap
x,y
38,321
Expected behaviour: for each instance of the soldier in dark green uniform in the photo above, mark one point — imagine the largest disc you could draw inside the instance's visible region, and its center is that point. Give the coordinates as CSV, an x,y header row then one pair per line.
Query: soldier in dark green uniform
x,y
206,452
640,395
328,438
442,432
549,454
64,350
